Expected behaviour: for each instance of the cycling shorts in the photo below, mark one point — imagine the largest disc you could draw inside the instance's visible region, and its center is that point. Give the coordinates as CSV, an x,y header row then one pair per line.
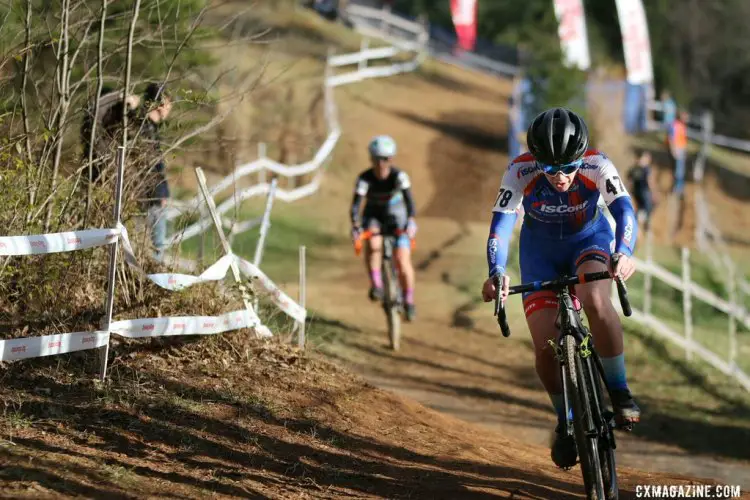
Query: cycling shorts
x,y
543,258
394,216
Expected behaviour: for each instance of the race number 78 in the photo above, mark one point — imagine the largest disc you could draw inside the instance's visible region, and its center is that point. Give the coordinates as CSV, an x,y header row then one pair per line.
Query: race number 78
x,y
503,197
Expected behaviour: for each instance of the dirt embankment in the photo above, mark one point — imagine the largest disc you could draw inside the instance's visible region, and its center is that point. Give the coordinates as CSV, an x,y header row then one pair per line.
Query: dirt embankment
x,y
225,418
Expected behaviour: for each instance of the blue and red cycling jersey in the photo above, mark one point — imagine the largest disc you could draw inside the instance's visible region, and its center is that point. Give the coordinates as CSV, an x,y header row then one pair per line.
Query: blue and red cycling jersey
x,y
555,224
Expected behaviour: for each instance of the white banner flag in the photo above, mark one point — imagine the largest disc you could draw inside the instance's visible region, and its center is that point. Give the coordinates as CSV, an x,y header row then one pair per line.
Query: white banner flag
x,y
571,27
635,41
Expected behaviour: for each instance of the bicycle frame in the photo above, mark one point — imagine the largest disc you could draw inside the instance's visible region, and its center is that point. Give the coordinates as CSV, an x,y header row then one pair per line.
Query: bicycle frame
x,y
592,425
392,301
569,323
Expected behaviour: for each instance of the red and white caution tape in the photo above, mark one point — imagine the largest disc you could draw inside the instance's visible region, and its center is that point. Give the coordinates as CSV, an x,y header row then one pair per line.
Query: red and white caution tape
x,y
48,345
38,244
282,300
189,325
177,281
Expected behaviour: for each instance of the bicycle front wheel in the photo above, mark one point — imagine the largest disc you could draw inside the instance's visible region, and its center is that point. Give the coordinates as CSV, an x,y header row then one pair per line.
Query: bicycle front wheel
x,y
583,423
607,438
391,304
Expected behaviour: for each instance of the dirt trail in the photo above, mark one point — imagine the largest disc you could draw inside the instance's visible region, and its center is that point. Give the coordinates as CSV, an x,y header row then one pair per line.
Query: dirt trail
x,y
451,132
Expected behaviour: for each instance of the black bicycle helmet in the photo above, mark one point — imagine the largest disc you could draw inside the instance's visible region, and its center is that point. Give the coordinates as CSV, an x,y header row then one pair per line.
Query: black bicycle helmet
x,y
557,136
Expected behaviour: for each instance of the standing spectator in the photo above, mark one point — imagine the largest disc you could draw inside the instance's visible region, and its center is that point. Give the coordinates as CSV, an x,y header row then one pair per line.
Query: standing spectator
x,y
156,107
677,141
669,109
642,188
108,124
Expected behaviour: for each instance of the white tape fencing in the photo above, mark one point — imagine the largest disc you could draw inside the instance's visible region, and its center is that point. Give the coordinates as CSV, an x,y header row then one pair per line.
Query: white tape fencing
x,y
50,345
31,347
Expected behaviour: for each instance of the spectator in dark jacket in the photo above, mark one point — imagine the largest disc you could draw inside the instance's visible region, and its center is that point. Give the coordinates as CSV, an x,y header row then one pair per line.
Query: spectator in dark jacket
x,y
156,107
642,188
109,128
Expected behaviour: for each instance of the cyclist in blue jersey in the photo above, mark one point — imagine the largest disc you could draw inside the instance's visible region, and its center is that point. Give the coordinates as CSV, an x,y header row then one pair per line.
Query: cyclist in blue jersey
x,y
558,184
386,191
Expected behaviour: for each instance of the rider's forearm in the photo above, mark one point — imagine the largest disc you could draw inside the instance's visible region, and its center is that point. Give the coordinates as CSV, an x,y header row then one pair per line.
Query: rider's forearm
x,y
409,202
626,232
499,241
354,212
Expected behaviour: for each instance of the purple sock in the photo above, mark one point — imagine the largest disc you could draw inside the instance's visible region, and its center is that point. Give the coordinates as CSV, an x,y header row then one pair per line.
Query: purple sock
x,y
409,296
376,278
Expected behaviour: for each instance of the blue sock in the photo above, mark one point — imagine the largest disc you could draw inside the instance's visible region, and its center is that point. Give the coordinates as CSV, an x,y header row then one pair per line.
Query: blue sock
x,y
558,401
614,372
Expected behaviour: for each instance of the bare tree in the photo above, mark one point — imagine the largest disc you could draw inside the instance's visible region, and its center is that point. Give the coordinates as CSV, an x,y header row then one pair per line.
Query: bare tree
x,y
56,61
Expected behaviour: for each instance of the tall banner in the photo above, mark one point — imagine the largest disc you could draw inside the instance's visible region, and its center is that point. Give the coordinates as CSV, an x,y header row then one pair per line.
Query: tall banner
x,y
635,41
464,14
571,26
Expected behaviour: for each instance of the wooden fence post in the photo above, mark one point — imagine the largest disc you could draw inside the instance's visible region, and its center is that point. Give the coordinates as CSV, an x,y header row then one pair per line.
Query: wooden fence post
x,y
647,278
732,287
302,294
363,46
112,270
687,305
262,156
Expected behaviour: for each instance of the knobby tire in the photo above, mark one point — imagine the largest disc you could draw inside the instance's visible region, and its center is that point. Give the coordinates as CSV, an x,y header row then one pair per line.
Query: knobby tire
x,y
606,451
583,424
390,304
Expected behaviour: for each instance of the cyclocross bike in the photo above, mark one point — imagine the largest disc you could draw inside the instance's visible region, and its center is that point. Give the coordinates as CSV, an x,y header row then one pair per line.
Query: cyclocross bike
x,y
392,295
582,375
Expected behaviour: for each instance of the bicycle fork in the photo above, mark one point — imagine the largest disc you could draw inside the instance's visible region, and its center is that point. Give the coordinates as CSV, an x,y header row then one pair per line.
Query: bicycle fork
x,y
604,423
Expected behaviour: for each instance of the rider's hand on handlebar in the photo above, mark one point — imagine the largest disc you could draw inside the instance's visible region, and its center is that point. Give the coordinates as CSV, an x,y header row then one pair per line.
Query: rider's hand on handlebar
x,y
356,232
624,266
489,291
411,228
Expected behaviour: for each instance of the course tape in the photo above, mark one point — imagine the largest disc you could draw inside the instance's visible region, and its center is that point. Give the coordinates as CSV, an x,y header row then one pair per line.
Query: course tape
x,y
282,300
48,345
178,281
189,325
38,244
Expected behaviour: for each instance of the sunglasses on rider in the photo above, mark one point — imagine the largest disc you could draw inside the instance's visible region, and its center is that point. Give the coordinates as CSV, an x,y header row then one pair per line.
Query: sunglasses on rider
x,y
566,169
381,159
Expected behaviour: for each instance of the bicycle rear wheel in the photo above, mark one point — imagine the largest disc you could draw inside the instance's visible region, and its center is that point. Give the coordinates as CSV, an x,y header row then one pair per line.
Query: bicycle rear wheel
x,y
583,424
391,303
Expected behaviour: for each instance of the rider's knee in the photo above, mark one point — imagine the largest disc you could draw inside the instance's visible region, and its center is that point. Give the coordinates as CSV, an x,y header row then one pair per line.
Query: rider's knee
x,y
596,302
403,257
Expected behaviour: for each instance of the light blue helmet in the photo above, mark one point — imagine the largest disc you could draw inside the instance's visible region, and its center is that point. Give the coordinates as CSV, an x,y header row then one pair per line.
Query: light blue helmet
x,y
382,146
